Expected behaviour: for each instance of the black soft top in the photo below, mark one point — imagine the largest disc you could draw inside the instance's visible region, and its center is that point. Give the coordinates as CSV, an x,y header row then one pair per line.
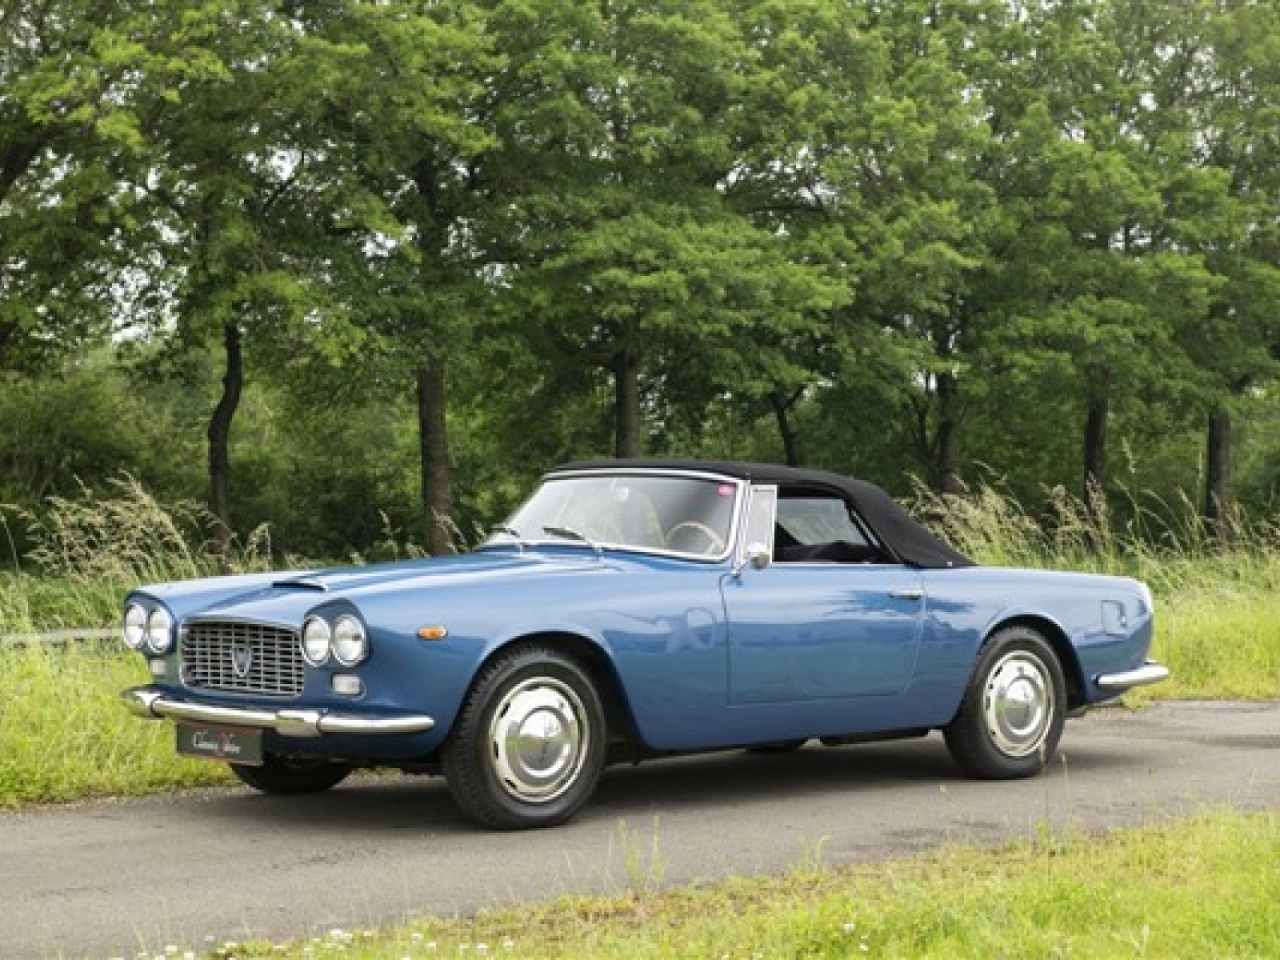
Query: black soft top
x,y
898,530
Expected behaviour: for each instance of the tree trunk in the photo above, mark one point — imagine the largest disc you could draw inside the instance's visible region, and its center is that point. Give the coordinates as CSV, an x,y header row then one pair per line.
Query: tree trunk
x,y
220,444
947,439
626,391
7,331
782,413
1095,446
1218,475
433,445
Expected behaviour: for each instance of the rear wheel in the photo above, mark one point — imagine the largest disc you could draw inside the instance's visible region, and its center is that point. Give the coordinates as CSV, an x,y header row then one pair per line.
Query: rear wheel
x,y
529,746
286,776
1014,708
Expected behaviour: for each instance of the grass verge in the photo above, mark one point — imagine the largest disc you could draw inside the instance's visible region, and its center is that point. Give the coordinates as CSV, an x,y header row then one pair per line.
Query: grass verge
x,y
1220,641
1208,887
65,736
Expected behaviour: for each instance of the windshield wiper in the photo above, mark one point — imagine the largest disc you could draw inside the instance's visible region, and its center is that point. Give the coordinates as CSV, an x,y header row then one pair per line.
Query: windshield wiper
x,y
510,532
568,533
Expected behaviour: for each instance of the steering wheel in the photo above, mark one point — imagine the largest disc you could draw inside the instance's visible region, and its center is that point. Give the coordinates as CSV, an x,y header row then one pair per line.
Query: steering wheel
x,y
715,543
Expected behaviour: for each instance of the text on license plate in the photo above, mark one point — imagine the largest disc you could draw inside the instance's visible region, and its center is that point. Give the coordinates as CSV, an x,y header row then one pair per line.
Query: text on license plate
x,y
228,744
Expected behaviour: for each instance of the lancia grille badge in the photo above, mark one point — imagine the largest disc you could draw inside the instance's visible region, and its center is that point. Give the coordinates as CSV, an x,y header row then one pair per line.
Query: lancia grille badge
x,y
241,660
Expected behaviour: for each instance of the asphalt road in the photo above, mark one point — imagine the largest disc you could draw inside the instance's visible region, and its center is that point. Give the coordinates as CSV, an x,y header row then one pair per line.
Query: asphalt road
x,y
111,879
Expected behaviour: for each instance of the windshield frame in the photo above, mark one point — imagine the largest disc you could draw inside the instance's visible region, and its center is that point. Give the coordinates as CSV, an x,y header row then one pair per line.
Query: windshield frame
x,y
510,532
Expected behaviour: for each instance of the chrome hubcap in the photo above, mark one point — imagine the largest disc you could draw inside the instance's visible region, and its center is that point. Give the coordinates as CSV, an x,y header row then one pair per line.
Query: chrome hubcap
x,y
1018,704
538,739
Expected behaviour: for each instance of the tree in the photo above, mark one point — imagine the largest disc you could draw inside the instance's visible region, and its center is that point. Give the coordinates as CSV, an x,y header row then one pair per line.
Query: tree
x,y
1114,203
222,164
816,74
641,262
68,134
1234,76
928,220
416,103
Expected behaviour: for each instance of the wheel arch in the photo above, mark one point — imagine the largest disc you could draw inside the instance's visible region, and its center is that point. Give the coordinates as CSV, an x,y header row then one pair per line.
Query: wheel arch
x,y
594,658
1062,648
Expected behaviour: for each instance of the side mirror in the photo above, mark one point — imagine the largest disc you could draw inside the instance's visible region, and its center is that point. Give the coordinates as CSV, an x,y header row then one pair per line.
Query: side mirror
x,y
758,557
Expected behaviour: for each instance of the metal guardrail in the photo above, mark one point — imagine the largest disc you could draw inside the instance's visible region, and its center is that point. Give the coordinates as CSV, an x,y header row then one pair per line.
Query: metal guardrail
x,y
65,635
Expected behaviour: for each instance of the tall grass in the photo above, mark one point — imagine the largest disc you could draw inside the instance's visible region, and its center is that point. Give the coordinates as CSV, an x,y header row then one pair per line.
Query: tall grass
x,y
1164,543
90,549
1215,588
63,733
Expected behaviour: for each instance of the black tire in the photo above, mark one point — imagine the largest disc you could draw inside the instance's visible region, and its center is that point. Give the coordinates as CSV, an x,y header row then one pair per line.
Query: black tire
x,y
1014,708
280,775
543,703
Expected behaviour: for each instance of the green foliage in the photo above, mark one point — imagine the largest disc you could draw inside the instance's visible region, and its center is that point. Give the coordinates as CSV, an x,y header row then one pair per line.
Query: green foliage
x,y
352,469
72,429
922,238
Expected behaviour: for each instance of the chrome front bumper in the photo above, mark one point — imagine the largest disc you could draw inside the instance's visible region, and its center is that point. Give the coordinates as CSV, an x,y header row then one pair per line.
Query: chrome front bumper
x,y
1145,675
150,703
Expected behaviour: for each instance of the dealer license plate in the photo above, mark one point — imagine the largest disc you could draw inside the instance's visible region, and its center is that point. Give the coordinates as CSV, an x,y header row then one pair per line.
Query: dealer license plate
x,y
228,744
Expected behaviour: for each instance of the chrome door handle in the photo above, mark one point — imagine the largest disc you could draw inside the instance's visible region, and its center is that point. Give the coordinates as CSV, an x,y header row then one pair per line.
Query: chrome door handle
x,y
912,593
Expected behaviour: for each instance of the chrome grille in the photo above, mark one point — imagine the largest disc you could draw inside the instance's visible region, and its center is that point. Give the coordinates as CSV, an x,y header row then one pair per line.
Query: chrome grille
x,y
242,658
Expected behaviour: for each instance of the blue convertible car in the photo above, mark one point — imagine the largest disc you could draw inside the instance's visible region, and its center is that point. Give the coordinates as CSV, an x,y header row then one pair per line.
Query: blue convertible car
x,y
634,609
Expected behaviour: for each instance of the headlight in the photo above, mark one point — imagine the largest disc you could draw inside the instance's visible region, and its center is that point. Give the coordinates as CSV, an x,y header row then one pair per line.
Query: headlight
x,y
315,641
350,645
135,626
159,631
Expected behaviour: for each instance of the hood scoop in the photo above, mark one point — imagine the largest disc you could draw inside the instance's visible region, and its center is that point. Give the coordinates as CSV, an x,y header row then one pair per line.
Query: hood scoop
x,y
301,583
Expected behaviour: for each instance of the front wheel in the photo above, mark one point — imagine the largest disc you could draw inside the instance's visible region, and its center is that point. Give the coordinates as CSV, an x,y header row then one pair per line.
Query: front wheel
x,y
284,776
1014,708
529,746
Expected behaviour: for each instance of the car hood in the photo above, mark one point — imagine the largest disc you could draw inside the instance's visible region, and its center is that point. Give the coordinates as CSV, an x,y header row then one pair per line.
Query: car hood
x,y
288,597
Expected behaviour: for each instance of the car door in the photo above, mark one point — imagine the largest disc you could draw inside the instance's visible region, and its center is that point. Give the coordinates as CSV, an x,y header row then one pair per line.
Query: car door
x,y
825,618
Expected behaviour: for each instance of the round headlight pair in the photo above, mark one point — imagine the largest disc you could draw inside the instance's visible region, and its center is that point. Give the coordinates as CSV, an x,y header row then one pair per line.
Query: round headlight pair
x,y
344,640
150,629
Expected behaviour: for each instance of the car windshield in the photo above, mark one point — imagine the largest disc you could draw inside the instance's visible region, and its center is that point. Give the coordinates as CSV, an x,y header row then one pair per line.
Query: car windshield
x,y
686,515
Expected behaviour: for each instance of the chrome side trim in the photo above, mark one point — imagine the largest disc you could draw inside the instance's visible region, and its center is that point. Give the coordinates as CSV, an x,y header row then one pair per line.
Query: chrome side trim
x,y
150,703
1145,675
